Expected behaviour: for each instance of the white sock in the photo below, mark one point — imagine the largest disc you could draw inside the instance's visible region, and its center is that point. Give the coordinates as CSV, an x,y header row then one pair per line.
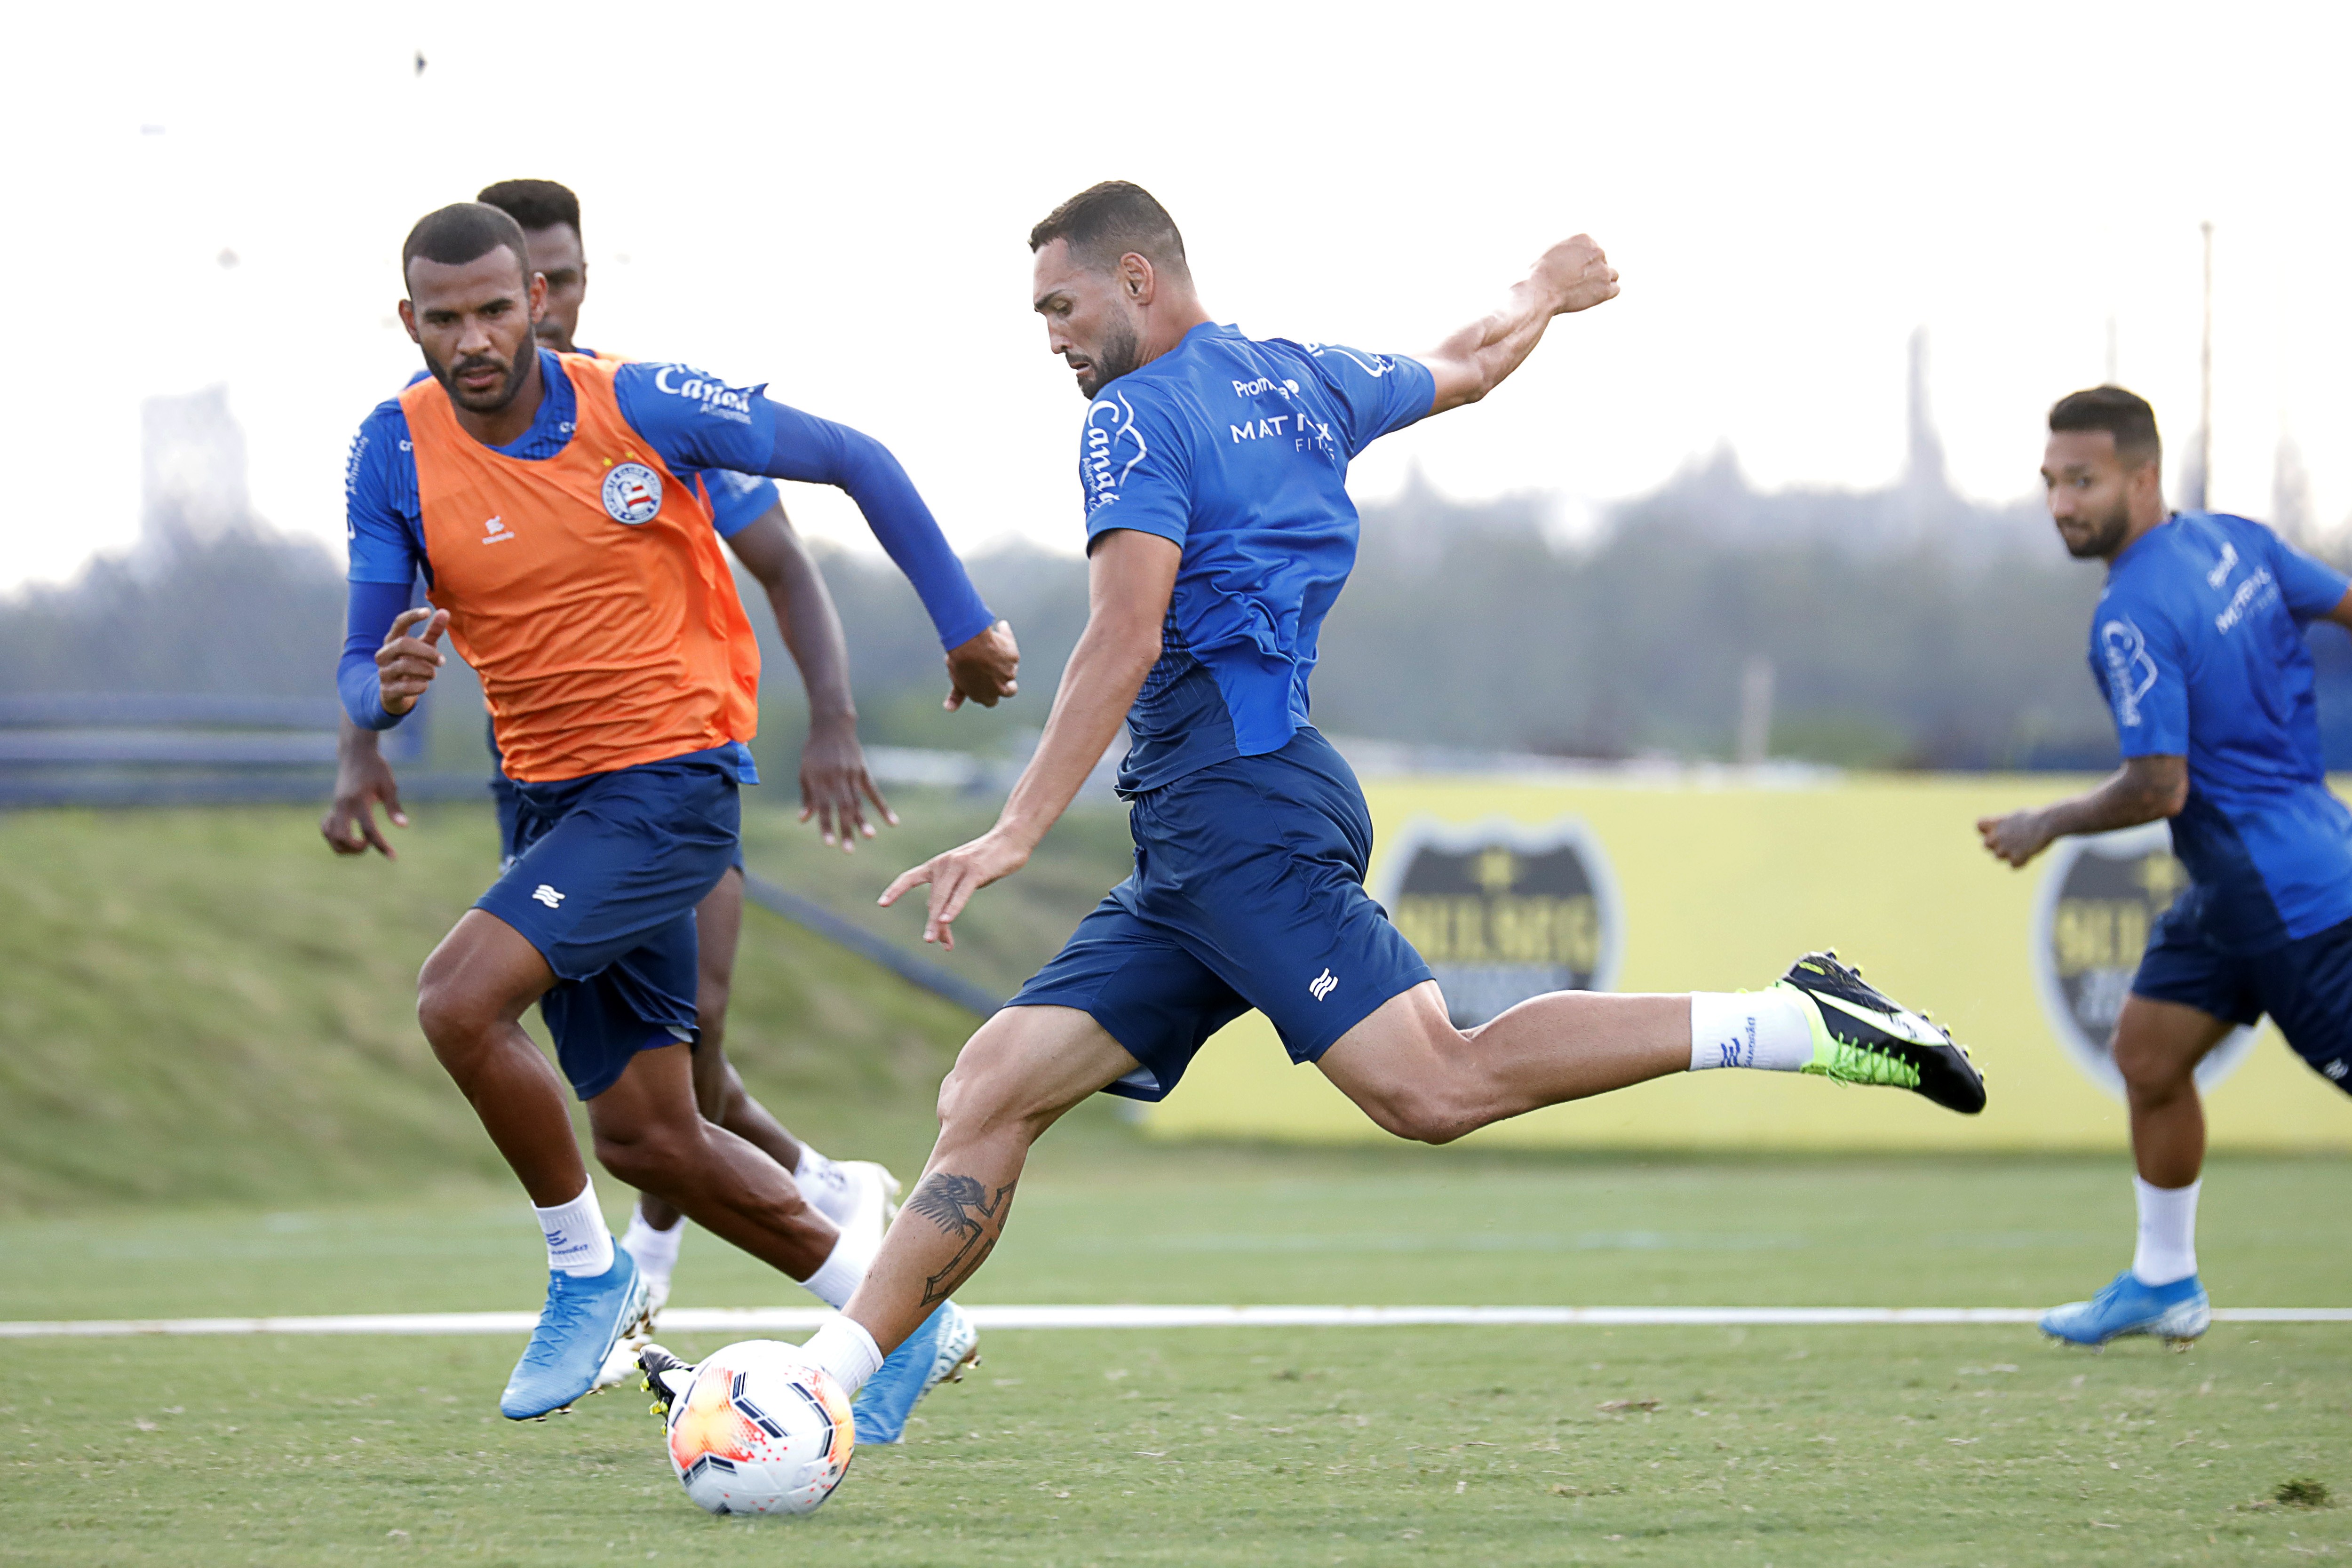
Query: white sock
x,y
836,1281
2168,1232
845,1349
577,1242
1763,1029
654,1250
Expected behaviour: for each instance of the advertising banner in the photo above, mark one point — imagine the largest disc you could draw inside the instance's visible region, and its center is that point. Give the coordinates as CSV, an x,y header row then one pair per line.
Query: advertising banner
x,y
1707,882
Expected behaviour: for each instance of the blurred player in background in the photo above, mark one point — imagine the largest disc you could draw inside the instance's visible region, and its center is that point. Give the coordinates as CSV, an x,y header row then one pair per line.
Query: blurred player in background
x,y
2197,644
834,784
1220,532
545,500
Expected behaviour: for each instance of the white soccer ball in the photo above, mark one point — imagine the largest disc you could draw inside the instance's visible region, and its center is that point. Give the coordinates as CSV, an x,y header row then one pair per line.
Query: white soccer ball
x,y
761,1430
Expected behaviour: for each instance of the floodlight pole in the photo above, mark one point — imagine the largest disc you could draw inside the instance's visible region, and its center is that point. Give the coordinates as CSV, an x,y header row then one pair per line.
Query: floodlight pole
x,y
2205,386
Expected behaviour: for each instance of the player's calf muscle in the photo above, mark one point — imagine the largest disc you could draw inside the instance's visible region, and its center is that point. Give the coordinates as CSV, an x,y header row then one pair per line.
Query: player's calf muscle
x,y
971,1214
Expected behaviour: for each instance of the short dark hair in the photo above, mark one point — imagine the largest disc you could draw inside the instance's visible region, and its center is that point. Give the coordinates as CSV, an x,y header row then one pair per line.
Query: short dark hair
x,y
1104,222
465,232
2125,416
534,203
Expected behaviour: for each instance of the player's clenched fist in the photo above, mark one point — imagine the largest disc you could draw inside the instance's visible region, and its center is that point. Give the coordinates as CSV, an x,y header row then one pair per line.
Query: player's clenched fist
x,y
2017,837
406,664
982,668
1577,275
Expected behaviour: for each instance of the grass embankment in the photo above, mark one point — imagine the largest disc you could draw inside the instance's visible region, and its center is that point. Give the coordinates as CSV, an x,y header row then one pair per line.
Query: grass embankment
x,y
205,1005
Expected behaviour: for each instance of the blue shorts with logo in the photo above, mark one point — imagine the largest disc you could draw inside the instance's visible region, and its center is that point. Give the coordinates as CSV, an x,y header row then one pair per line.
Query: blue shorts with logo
x,y
606,874
1248,891
2305,986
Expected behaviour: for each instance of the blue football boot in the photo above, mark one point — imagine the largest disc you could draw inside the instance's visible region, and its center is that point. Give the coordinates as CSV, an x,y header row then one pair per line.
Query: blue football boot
x,y
583,1321
935,1354
2175,1314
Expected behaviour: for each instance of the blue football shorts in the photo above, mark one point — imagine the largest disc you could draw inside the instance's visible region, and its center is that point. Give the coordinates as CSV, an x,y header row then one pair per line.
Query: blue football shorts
x,y
1248,891
507,804
2305,986
606,874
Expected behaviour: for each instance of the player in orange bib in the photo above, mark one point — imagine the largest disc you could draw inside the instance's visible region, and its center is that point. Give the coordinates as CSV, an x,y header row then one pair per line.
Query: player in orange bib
x,y
543,500
748,516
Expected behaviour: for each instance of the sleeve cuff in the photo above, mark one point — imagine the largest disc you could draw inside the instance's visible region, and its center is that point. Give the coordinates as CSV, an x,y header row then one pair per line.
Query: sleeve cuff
x,y
975,620
1106,518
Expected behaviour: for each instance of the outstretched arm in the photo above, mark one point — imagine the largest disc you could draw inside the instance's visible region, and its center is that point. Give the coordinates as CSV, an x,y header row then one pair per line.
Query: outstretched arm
x,y
702,423
2144,789
1571,275
834,785
1130,577
981,656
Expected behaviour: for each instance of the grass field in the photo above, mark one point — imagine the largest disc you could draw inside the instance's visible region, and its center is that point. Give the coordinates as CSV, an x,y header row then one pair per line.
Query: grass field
x,y
1788,1446
211,1102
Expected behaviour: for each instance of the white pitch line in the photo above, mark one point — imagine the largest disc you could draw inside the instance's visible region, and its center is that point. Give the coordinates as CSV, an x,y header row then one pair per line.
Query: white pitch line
x,y
770,1320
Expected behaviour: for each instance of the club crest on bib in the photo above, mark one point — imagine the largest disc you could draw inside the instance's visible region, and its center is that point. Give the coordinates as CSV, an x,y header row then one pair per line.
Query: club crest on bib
x,y
633,493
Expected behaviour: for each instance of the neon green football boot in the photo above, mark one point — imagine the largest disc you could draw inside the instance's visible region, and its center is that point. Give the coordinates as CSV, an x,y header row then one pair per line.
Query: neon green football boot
x,y
1862,1036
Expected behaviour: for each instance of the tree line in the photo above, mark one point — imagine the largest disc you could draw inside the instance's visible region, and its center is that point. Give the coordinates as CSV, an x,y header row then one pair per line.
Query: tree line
x,y
1906,627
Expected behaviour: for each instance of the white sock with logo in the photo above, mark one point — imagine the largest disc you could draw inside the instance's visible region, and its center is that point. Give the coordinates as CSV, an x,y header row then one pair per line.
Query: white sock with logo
x,y
578,1244
654,1250
2168,1232
845,1349
1765,1030
838,1279
826,1186
812,1164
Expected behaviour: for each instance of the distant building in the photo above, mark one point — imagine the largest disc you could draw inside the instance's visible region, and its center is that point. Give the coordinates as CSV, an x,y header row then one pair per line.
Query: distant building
x,y
192,471
1713,498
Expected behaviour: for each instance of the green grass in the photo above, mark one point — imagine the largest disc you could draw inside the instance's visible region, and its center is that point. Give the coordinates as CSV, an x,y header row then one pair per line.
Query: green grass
x,y
213,1101
1792,1446
1100,1219
1789,1446
206,1005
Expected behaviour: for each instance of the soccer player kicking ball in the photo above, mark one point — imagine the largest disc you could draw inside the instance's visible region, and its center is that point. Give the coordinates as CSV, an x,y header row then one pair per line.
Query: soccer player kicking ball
x,y
2197,645
855,1195
541,497
1220,532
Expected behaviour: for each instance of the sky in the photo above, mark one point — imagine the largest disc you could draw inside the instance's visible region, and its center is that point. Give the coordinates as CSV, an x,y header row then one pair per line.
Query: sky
x,y
833,200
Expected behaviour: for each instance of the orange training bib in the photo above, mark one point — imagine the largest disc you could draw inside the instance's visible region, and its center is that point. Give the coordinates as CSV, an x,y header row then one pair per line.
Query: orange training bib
x,y
588,590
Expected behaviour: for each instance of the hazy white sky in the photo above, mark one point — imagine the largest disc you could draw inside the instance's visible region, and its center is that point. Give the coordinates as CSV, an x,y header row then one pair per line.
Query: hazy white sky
x,y
833,199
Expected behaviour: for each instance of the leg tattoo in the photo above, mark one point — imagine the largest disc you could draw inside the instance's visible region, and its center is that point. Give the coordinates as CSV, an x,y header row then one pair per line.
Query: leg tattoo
x,y
961,1206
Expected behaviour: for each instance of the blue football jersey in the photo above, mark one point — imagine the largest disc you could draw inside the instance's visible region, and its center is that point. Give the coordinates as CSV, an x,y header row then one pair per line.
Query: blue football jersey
x,y
2197,645
1236,449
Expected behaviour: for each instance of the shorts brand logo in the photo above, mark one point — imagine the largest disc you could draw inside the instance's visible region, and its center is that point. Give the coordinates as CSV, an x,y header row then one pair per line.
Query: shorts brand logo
x,y
2337,1068
547,895
1322,985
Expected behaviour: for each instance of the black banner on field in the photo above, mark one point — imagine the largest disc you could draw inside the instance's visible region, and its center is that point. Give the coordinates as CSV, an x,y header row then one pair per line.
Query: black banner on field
x,y
2100,896
1503,912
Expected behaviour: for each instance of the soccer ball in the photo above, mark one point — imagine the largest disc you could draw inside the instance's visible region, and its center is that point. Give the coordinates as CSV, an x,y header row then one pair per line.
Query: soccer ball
x,y
760,1430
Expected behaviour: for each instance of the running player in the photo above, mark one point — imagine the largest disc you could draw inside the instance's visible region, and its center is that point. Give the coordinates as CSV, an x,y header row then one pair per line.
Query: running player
x,y
2197,644
540,497
854,1194
1220,532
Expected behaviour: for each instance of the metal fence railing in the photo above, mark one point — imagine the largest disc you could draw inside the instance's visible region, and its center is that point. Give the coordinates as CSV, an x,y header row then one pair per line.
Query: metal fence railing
x,y
188,748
